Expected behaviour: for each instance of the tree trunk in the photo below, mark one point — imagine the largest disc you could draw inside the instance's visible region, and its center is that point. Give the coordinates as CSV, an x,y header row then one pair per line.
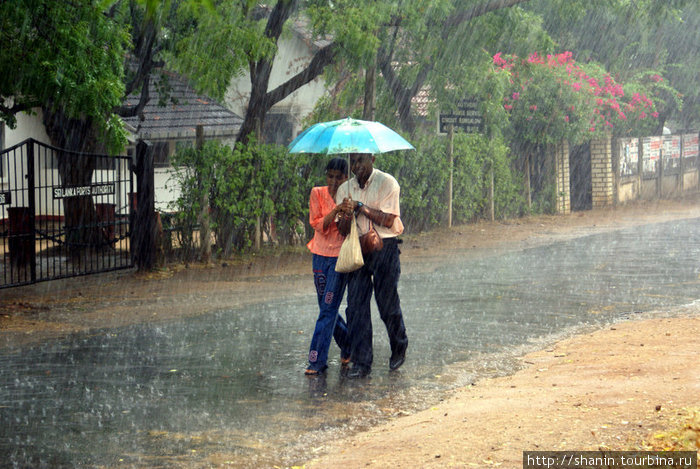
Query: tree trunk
x,y
204,230
75,138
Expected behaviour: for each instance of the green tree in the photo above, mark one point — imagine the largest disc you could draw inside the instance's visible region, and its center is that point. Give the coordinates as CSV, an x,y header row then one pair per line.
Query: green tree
x,y
66,58
77,61
252,32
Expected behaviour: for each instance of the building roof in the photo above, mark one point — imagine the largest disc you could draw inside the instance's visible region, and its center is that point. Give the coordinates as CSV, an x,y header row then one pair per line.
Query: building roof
x,y
183,111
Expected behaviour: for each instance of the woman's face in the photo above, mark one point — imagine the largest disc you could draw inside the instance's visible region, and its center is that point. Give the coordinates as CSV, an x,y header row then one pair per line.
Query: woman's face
x,y
334,178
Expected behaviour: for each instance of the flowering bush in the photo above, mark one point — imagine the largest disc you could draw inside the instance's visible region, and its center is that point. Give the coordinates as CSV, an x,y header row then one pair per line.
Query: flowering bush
x,y
554,98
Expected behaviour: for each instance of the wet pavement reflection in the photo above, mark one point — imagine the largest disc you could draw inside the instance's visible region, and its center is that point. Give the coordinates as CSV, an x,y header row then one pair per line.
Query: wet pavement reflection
x,y
227,388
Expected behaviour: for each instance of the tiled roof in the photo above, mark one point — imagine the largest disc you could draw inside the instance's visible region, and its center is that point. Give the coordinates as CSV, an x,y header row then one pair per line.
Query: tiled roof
x,y
184,110
421,102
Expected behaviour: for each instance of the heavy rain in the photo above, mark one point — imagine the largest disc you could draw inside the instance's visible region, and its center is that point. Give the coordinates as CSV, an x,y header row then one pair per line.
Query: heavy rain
x,y
154,137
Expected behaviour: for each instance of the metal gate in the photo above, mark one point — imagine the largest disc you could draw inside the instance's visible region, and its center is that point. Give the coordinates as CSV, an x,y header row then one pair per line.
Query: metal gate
x,y
62,214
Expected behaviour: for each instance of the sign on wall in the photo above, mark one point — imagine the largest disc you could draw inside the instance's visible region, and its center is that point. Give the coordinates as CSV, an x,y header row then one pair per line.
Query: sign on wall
x,y
672,153
466,117
629,156
652,154
690,150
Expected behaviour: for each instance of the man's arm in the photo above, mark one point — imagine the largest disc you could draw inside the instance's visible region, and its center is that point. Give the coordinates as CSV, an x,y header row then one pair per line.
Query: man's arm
x,y
377,216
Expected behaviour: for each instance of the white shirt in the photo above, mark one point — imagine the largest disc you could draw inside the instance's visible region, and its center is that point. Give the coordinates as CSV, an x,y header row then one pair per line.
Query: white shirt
x,y
381,192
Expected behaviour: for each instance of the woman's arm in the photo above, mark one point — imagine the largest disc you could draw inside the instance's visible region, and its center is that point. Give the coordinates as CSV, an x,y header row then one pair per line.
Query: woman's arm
x,y
330,217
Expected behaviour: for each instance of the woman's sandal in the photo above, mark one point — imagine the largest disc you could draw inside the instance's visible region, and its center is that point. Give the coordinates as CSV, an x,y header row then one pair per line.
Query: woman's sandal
x,y
310,372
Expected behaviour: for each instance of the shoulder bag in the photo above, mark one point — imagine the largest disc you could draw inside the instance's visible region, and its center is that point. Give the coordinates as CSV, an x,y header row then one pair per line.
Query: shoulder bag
x,y
371,241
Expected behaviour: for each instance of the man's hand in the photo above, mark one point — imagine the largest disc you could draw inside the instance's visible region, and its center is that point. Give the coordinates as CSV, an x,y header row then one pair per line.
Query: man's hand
x,y
348,205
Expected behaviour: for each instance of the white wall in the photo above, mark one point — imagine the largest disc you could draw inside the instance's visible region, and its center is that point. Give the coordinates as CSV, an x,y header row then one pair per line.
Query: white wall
x,y
166,188
28,126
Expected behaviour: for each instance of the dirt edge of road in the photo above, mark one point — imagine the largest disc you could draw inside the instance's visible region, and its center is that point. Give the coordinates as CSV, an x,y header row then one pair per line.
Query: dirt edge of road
x,y
633,386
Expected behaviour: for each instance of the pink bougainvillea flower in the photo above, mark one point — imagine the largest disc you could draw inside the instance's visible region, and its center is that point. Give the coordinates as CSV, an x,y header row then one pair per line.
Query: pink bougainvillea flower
x,y
516,96
533,58
533,107
566,118
657,78
508,107
654,114
498,60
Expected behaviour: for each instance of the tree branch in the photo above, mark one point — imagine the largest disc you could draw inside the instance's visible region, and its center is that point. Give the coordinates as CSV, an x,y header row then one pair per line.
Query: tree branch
x,y
463,16
321,59
17,108
404,94
131,111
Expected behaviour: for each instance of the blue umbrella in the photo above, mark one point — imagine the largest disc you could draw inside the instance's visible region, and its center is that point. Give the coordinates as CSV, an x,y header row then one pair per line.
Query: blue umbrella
x,y
348,136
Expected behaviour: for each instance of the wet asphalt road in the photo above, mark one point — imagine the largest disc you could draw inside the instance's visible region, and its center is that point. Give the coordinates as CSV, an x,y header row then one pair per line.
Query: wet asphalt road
x,y
229,384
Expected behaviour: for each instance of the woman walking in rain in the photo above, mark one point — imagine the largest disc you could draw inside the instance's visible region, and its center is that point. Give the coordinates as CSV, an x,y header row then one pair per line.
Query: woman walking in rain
x,y
330,285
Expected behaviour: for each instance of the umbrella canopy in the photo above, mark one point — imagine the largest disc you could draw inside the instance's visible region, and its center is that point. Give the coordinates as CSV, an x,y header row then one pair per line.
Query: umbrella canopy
x,y
348,136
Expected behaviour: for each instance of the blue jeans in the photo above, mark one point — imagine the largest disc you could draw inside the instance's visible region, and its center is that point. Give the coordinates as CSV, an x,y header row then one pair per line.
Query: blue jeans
x,y
380,275
330,288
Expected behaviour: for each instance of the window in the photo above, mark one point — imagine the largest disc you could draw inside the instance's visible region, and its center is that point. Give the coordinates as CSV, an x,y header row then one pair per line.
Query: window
x,y
278,129
161,154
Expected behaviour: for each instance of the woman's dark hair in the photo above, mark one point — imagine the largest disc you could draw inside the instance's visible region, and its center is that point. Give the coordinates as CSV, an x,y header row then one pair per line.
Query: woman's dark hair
x,y
338,164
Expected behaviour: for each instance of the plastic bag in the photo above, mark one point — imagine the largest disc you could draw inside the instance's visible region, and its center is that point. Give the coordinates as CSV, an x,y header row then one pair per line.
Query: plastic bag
x,y
350,255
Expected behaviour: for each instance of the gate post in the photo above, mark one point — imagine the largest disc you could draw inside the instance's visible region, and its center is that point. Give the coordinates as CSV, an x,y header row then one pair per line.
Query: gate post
x,y
563,182
31,198
601,172
143,229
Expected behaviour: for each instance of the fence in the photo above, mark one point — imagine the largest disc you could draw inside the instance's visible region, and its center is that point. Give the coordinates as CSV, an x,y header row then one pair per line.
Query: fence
x,y
656,166
62,213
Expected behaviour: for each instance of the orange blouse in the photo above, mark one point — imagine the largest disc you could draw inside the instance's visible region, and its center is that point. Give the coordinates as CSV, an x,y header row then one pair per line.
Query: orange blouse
x,y
325,242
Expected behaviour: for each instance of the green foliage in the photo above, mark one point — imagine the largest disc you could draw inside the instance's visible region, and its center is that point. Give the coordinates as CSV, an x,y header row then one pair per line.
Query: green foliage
x,y
214,45
246,183
351,23
194,173
642,37
555,99
65,55
424,177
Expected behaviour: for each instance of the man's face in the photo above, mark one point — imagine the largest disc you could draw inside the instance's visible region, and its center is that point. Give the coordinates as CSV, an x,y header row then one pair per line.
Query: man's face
x,y
361,165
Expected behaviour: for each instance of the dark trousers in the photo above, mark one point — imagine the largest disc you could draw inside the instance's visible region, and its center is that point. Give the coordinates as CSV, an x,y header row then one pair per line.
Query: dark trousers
x,y
380,275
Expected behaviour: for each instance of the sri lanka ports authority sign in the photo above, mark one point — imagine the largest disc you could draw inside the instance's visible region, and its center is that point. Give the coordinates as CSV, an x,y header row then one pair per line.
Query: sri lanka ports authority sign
x,y
82,191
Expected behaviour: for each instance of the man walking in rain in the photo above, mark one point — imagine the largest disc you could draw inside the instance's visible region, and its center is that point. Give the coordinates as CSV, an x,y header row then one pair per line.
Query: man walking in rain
x,y
374,196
